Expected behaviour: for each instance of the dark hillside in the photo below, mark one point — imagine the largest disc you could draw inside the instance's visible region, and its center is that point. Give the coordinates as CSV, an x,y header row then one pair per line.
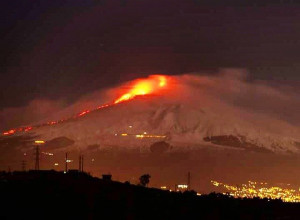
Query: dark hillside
x,y
55,195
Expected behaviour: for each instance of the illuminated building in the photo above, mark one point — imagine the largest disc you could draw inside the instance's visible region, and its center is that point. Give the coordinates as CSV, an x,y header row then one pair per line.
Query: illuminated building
x,y
181,187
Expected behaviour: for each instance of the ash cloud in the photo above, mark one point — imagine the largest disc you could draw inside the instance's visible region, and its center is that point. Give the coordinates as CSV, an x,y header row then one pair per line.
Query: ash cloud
x,y
36,110
232,88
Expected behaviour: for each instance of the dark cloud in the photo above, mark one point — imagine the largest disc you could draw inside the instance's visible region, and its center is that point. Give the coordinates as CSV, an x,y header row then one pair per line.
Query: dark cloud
x,y
65,49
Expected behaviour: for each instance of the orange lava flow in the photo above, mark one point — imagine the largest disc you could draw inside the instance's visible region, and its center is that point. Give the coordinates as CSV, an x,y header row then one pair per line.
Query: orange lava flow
x,y
140,87
144,87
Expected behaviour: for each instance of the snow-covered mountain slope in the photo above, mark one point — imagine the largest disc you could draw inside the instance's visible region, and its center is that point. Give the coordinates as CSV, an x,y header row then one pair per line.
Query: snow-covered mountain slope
x,y
146,120
187,111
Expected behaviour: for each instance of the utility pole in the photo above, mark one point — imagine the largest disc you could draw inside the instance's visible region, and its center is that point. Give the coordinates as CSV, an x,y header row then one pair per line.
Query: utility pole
x,y
37,157
81,163
23,165
79,168
37,153
66,168
189,180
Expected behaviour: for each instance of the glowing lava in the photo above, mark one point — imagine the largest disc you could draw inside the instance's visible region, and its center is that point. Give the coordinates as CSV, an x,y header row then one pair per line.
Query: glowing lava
x,y
151,85
144,87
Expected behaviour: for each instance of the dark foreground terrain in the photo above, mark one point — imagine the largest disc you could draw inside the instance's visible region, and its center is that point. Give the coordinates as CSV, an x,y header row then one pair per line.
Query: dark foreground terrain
x,y
55,195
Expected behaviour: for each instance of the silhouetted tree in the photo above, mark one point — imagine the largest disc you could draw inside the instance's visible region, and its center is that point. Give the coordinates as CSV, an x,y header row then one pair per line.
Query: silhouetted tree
x,y
145,179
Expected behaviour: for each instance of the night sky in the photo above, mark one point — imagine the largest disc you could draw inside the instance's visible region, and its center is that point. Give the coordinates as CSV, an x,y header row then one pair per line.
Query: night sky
x,y
62,49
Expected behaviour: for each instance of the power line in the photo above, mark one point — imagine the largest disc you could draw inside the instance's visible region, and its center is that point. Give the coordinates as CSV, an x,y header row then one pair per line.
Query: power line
x,y
80,169
189,180
37,157
66,163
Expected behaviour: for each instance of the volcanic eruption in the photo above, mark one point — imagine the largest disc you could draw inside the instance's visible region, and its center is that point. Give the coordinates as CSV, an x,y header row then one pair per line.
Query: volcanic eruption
x,y
170,124
140,87
186,111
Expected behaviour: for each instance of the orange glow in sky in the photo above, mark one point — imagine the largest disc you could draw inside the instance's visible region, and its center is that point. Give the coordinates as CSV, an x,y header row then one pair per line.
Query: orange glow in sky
x,y
144,87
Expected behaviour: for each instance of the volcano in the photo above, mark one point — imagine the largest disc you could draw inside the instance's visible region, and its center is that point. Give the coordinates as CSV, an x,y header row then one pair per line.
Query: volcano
x,y
167,126
160,109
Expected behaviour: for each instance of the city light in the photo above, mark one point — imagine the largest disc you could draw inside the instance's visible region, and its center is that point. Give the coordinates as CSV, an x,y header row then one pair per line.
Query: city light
x,y
182,186
261,190
144,135
39,142
47,153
